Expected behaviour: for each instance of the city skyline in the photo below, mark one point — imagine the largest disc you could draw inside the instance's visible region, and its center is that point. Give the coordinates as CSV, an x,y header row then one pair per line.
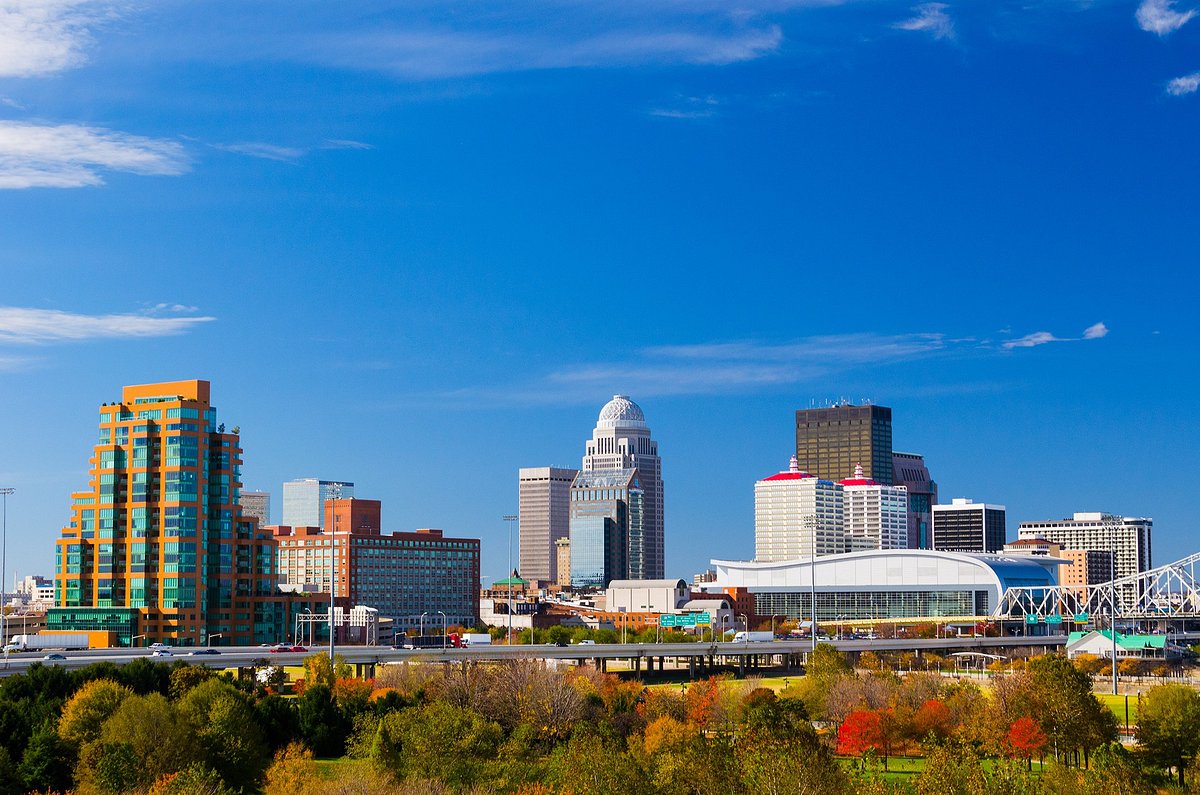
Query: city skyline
x,y
418,248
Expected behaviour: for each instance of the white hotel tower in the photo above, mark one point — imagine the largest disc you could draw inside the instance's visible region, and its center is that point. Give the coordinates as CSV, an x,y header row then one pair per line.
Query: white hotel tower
x,y
622,440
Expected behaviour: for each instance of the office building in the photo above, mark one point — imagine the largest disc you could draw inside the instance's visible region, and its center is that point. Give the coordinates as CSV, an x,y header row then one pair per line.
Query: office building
x,y
157,547
399,574
621,441
797,515
562,555
830,442
304,500
256,504
909,471
1126,537
967,526
544,518
608,517
875,516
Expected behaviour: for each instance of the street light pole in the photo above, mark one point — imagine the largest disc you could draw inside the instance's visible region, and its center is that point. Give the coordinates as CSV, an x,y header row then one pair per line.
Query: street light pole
x,y
4,492
811,521
445,629
1112,580
510,518
335,492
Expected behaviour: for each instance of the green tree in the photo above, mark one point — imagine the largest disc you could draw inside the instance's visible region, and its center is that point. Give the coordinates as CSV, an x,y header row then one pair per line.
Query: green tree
x,y
86,711
114,766
46,765
437,740
195,779
228,738
1169,726
826,663
150,725
277,718
185,677
322,725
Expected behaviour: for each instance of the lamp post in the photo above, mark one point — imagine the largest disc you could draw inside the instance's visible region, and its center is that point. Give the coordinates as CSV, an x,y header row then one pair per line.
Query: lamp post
x,y
335,492
510,518
811,522
773,617
745,625
423,623
1112,580
445,629
4,492
210,636
133,640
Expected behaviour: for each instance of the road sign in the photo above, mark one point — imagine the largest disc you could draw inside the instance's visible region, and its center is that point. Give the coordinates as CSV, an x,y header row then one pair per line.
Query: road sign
x,y
704,620
666,620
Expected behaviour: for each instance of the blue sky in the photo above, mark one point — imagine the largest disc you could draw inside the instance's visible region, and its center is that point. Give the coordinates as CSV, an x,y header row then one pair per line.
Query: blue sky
x,y
420,246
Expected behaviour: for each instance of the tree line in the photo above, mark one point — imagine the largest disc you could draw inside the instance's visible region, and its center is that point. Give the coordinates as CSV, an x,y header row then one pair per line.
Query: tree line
x,y
525,727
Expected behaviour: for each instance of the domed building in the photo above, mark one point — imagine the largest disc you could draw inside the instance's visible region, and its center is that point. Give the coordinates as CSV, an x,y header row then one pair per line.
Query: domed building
x,y
623,459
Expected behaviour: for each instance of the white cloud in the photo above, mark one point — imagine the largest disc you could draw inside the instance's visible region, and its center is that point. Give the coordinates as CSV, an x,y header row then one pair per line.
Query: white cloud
x,y
1092,332
263,150
341,143
1182,86
12,364
689,108
931,18
1158,16
432,54
72,156
39,37
31,326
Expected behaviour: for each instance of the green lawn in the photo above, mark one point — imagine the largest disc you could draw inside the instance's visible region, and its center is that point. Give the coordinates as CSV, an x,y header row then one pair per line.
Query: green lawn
x,y
1117,705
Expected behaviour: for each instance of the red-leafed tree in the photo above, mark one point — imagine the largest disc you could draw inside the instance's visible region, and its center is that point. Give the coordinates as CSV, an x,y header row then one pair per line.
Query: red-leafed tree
x,y
862,731
1026,739
932,718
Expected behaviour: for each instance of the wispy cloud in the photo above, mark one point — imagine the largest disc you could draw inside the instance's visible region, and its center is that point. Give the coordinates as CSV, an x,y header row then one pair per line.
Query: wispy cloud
x,y
1182,86
433,53
1092,332
1159,16
32,326
265,151
39,37
341,143
12,364
688,108
931,18
72,156
736,366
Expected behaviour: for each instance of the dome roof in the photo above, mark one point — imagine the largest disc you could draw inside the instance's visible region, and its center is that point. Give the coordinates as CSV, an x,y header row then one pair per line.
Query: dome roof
x,y
621,409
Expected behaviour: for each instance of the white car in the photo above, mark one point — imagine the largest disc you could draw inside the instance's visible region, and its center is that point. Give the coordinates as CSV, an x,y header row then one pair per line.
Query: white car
x,y
161,653
587,643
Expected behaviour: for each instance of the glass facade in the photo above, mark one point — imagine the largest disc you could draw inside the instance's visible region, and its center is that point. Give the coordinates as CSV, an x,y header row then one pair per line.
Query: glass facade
x,y
830,442
124,622
871,605
589,547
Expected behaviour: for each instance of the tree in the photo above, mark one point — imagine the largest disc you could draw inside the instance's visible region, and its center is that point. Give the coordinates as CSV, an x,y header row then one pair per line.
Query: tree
x,y
91,705
321,723
185,677
860,732
151,726
293,773
277,718
46,764
1026,739
114,766
194,780
932,720
825,662
229,740
1169,726
440,741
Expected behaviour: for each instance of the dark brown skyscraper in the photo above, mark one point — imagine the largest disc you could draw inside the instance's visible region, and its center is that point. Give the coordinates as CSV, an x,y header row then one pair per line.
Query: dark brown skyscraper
x,y
831,441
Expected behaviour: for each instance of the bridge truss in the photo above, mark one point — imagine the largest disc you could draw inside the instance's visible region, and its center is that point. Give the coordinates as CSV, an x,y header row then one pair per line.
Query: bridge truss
x,y
1171,591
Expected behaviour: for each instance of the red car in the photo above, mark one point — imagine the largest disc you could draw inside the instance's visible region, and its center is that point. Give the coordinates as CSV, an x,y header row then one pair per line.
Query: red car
x,y
298,648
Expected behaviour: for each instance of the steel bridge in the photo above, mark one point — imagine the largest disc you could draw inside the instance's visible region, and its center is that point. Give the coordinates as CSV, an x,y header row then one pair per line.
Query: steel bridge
x,y
1165,593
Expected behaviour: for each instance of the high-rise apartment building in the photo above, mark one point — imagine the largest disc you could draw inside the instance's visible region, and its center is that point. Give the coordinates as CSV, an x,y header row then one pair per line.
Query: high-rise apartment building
x,y
157,546
256,504
1126,537
622,441
875,515
402,575
544,517
797,515
1084,567
967,526
909,471
608,515
304,500
830,442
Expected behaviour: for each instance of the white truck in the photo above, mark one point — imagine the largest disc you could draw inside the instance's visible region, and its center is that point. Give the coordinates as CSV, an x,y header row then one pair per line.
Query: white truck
x,y
477,639
43,641
746,637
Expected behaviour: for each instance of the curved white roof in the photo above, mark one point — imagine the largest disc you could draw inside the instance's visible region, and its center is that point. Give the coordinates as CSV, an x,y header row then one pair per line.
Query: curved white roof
x,y
621,412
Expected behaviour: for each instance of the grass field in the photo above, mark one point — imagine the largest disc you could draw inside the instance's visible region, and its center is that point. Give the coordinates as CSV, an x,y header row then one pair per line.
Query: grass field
x,y
1117,705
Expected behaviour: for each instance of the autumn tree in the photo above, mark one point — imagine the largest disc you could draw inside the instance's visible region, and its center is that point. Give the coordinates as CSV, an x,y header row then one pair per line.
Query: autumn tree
x,y
861,732
1025,739
932,719
91,705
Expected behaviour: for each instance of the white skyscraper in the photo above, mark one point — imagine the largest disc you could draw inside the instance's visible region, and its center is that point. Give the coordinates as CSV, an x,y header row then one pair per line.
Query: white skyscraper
x,y
796,515
622,440
1126,537
876,516
304,500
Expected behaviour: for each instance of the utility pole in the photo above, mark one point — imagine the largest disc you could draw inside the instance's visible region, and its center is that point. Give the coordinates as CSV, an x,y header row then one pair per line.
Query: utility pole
x,y
4,492
335,494
510,518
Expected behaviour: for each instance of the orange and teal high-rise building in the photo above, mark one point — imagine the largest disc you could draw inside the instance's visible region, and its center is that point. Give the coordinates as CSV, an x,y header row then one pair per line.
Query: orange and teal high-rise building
x,y
157,548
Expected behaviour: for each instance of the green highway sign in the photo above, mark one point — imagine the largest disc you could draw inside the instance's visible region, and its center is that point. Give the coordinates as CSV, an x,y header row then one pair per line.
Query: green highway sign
x,y
685,620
